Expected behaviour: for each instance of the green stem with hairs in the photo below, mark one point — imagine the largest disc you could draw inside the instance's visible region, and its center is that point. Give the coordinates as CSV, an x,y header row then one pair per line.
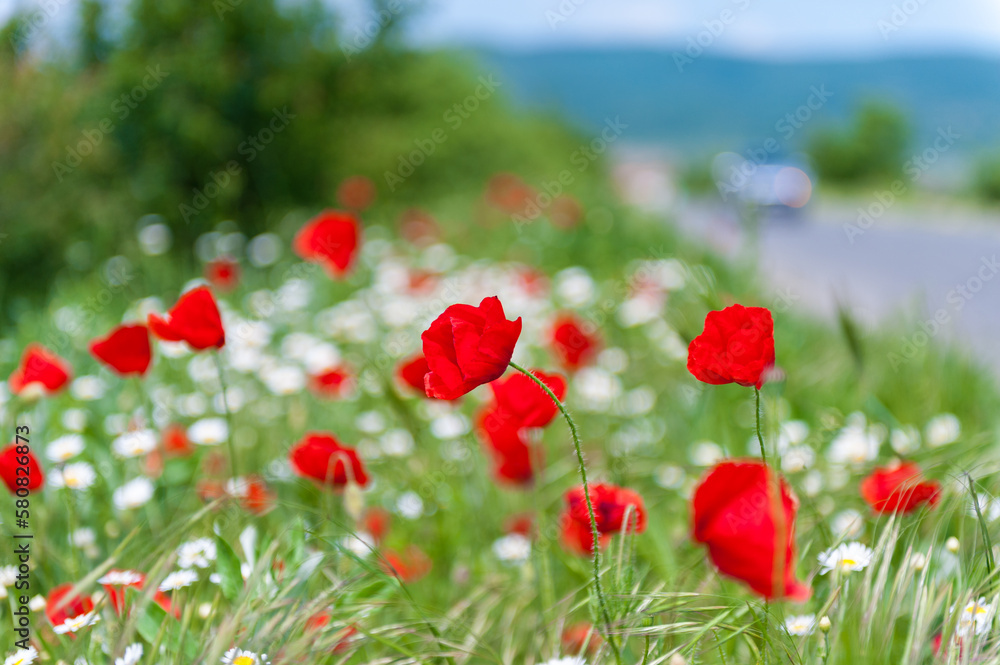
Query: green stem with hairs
x,y
229,416
760,437
598,589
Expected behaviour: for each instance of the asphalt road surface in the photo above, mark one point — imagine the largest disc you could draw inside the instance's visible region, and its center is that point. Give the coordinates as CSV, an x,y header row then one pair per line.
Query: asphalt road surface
x,y
935,272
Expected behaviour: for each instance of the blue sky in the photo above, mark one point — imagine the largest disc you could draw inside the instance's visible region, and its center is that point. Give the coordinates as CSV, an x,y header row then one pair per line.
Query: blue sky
x,y
758,28
782,29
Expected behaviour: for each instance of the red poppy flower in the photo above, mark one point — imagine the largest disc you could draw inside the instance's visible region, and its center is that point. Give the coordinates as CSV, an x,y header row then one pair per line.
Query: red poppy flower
x,y
376,522
356,192
468,346
581,636
195,319
520,401
255,496
737,346
343,638
511,454
223,273
419,227
899,489
62,604
572,344
321,457
578,538
408,566
175,441
125,350
334,383
332,239
610,504
521,523
41,368
411,372
565,212
9,462
116,592
735,512
509,193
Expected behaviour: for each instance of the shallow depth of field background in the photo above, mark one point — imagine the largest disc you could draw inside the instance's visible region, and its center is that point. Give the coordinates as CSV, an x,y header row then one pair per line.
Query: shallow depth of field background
x,y
839,165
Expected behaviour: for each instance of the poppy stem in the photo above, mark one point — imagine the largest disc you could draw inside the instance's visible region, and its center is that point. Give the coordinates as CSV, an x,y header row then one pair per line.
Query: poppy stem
x,y
596,545
760,437
229,416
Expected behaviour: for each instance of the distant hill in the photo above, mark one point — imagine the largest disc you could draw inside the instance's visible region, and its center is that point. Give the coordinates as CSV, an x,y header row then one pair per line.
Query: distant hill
x,y
724,103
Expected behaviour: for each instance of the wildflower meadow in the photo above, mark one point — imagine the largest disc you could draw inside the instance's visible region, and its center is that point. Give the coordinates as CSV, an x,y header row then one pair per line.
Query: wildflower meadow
x,y
316,348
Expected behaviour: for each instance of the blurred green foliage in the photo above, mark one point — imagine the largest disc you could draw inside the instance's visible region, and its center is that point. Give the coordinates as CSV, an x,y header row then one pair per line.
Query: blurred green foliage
x,y
987,180
205,111
872,149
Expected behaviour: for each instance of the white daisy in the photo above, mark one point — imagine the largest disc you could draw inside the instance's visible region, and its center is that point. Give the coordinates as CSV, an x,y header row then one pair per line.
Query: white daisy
x,y
133,494
134,444
208,431
84,537
942,430
802,624
284,379
513,548
359,544
199,553
856,443
410,505
847,523
133,653
846,557
22,657
8,576
178,580
797,458
64,448
73,624
975,618
905,440
449,426
74,419
397,443
706,453
75,476
570,660
575,286
87,388
237,656
121,578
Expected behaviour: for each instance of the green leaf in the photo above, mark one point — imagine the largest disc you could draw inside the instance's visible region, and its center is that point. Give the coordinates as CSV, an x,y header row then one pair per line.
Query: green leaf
x,y
153,620
228,566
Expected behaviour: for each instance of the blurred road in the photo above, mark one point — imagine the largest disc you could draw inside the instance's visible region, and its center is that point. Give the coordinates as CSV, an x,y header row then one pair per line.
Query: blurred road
x,y
930,274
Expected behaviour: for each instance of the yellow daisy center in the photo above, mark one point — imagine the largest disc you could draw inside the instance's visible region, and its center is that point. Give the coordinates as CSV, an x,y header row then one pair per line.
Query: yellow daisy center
x,y
243,660
847,562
